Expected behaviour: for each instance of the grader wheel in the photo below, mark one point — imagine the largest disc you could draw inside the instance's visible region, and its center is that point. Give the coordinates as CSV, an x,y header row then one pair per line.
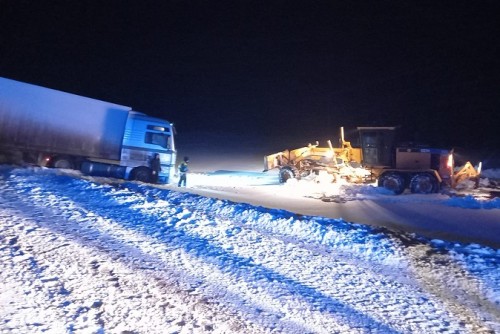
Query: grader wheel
x,y
394,182
287,173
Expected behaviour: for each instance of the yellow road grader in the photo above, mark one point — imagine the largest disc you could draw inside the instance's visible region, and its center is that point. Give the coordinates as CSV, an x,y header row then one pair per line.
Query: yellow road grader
x,y
423,170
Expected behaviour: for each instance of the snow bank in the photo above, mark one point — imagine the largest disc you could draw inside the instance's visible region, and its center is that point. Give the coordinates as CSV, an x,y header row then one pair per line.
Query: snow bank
x,y
95,255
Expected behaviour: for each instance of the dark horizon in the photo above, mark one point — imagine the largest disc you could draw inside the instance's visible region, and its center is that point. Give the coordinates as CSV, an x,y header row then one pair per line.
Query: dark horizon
x,y
276,69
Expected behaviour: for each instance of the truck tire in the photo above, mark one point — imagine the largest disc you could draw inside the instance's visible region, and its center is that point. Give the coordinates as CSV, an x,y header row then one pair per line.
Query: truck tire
x,y
394,182
424,183
142,174
62,162
287,173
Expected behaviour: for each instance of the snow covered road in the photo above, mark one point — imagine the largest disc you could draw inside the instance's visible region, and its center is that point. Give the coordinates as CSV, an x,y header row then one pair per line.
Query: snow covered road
x,y
80,256
463,216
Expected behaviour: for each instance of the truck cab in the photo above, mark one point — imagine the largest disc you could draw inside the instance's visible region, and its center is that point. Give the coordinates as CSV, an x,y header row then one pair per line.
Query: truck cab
x,y
144,136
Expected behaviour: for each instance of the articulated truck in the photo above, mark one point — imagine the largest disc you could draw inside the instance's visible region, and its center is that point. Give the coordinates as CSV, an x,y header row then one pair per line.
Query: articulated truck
x,y
51,128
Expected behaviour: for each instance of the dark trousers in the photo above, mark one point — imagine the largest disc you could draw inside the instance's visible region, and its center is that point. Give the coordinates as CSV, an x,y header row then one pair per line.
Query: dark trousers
x,y
182,180
154,177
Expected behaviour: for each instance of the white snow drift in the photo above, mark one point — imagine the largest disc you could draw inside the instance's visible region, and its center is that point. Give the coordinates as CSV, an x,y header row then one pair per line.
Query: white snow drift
x,y
82,256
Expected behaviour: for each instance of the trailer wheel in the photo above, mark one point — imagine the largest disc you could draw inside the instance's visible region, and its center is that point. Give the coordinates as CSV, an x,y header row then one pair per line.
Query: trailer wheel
x,y
142,174
394,182
423,183
62,162
287,173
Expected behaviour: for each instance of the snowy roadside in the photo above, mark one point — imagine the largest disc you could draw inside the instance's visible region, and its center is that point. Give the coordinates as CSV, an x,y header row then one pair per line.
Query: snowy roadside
x,y
464,215
80,256
66,269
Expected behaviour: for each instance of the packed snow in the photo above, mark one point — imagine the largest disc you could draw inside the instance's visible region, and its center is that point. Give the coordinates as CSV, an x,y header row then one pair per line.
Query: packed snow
x,y
235,252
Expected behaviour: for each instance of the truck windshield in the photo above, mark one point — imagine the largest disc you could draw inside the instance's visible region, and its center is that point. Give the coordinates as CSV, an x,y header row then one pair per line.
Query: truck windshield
x,y
157,139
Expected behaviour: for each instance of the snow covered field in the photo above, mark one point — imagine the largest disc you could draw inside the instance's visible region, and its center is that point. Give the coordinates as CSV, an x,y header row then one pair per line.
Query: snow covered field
x,y
89,255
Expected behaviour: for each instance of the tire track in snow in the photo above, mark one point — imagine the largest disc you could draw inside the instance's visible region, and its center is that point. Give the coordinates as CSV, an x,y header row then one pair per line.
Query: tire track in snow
x,y
63,221
50,198
425,298
476,322
207,227
462,295
415,317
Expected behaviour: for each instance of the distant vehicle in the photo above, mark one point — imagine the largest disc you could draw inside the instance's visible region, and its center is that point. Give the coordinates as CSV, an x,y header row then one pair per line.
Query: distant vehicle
x,y
423,170
56,129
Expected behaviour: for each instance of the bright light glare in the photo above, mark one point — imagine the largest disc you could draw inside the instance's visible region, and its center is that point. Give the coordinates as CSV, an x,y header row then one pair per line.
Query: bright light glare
x,y
314,186
450,161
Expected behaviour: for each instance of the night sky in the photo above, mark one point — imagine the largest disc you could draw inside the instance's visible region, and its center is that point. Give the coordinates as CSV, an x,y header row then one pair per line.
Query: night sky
x,y
272,69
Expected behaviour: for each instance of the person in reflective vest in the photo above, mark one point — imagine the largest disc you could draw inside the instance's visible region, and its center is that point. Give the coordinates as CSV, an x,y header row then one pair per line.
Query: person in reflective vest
x,y
183,169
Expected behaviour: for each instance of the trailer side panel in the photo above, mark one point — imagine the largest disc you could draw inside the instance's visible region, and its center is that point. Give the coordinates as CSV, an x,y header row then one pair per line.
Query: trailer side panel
x,y
35,118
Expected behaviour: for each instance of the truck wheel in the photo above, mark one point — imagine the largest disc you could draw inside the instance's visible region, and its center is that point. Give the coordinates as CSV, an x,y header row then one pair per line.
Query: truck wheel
x,y
287,173
394,182
142,174
62,162
423,183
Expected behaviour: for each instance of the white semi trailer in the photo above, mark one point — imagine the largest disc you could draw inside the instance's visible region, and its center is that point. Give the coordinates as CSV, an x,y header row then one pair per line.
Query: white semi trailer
x,y
57,129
